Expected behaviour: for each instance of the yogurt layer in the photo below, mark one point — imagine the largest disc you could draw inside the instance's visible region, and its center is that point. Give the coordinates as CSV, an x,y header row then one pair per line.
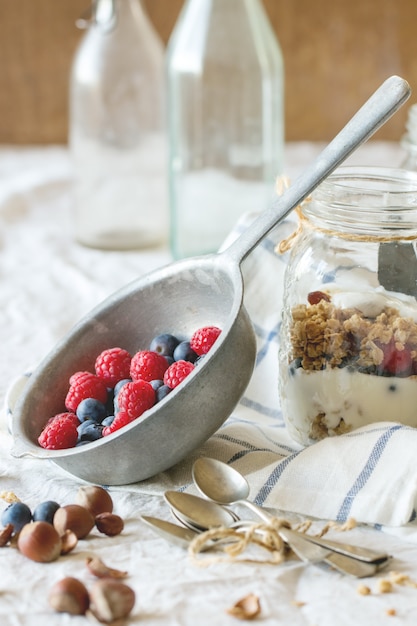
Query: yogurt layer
x,y
332,401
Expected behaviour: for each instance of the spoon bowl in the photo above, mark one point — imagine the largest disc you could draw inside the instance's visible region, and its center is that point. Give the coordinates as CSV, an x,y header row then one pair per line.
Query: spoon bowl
x,y
197,512
224,485
178,298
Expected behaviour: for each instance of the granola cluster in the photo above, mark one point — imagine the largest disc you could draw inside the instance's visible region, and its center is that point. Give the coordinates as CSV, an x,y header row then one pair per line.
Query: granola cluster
x,y
323,335
319,429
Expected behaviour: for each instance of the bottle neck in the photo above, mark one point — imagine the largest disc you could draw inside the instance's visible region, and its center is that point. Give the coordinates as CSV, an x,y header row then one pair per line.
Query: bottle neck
x,y
411,125
222,21
107,13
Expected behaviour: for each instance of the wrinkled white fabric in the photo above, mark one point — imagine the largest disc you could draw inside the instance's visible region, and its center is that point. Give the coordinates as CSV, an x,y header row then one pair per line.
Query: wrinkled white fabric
x,y
47,282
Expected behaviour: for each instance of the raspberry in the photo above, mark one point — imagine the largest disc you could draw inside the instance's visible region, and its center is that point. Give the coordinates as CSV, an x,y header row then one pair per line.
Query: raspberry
x,y
203,339
314,297
112,365
136,397
78,376
85,386
176,373
60,432
395,362
148,365
120,419
70,415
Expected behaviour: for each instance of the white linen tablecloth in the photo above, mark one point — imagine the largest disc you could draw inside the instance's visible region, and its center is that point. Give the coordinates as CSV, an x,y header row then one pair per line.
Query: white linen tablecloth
x,y
47,282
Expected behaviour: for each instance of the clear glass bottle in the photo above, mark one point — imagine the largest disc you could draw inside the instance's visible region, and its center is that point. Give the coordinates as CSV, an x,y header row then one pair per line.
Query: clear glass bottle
x,y
348,344
409,140
226,119
117,135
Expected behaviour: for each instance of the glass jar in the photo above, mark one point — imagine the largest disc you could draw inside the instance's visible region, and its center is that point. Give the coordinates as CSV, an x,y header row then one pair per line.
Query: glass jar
x,y
226,119
117,134
348,344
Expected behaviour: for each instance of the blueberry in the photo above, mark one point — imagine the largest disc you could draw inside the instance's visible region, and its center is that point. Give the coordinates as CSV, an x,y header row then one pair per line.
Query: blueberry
x,y
45,511
294,365
110,401
91,432
164,344
18,514
81,428
162,392
117,390
121,384
91,409
107,420
170,360
184,352
156,384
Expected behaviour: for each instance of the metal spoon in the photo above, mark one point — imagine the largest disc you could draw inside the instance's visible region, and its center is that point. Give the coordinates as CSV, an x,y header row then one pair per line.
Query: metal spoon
x,y
180,297
225,485
198,512
310,552
171,532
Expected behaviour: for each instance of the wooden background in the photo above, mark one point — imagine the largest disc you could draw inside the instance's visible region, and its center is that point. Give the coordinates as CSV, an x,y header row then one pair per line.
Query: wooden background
x,y
336,53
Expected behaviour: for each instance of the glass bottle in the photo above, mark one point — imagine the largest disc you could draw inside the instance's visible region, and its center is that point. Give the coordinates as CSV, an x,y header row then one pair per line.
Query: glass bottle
x,y
225,117
117,135
409,140
348,344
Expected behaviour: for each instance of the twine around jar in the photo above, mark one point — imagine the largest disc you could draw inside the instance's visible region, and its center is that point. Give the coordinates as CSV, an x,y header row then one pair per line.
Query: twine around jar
x,y
282,183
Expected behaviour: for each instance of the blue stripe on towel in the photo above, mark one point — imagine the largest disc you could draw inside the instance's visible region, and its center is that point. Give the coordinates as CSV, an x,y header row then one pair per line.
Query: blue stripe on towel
x,y
250,447
259,408
273,478
365,474
271,335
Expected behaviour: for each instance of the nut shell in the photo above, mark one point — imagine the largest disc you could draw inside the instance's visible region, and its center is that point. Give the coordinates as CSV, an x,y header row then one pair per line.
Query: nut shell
x,y
73,517
247,608
39,541
69,541
6,534
111,600
96,499
69,595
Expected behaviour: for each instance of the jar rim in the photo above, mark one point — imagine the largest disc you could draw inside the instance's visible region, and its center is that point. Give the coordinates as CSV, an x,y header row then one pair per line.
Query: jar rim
x,y
370,200
369,178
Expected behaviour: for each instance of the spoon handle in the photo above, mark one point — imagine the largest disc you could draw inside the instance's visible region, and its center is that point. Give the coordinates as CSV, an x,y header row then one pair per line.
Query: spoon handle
x,y
383,103
263,515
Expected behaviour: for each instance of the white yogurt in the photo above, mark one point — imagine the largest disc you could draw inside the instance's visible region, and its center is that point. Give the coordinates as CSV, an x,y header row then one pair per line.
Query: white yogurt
x,y
371,304
355,397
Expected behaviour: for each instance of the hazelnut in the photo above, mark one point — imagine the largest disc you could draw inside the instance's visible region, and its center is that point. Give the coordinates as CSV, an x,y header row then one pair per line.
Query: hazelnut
x,y
74,517
111,600
109,524
39,541
69,595
96,499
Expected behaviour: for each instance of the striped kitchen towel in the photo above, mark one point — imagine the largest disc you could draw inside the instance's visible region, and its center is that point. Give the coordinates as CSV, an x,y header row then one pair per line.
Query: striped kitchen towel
x,y
369,475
